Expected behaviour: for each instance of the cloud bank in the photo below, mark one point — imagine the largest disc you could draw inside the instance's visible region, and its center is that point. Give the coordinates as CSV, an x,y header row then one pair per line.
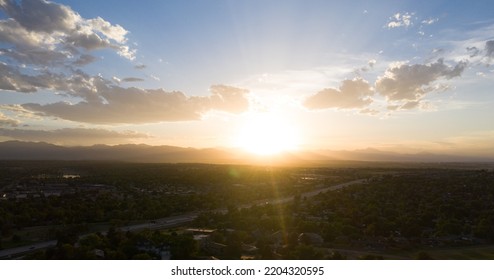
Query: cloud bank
x,y
45,43
117,105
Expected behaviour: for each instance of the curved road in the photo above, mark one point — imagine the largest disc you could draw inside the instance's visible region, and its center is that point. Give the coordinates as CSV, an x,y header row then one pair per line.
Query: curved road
x,y
171,221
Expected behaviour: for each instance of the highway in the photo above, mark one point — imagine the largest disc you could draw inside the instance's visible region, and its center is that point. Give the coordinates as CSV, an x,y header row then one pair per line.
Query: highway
x,y
172,221
306,194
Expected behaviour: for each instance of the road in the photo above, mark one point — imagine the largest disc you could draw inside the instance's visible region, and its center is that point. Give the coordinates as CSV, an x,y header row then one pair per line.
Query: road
x,y
12,252
170,222
306,194
167,222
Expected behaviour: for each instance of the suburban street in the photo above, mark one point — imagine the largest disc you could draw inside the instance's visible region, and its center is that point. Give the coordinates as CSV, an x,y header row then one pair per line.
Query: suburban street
x,y
172,221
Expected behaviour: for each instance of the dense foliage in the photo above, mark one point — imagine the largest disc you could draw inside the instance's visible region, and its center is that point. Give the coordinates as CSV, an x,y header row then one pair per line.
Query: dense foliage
x,y
393,209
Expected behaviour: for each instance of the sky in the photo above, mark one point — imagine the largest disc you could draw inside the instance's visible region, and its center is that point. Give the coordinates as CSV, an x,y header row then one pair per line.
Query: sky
x,y
266,76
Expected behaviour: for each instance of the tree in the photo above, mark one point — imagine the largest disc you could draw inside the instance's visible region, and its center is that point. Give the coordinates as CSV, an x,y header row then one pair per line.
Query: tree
x,y
307,252
233,247
183,247
142,256
423,256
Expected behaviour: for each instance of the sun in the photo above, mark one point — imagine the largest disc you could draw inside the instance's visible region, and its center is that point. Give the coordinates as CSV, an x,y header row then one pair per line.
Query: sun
x,y
267,134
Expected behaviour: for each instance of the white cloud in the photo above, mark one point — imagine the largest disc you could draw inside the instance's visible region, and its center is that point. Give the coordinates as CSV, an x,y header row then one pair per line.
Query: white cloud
x,y
476,45
113,32
154,77
400,20
127,52
430,21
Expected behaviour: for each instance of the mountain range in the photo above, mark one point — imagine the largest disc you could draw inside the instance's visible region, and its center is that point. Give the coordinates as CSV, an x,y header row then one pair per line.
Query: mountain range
x,y
17,150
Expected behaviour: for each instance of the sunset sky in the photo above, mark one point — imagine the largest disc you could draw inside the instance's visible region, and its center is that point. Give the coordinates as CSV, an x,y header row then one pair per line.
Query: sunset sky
x,y
407,76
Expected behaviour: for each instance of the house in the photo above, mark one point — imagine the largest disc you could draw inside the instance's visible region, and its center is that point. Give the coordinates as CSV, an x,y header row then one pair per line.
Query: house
x,y
100,254
213,248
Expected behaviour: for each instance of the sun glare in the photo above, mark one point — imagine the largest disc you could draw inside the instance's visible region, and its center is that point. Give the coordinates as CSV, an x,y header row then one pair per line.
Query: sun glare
x,y
266,134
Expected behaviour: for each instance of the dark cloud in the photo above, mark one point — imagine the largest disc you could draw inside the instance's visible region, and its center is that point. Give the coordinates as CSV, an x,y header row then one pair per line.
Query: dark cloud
x,y
37,56
351,94
489,49
11,79
140,66
72,136
44,33
410,82
91,41
474,51
132,79
84,60
40,16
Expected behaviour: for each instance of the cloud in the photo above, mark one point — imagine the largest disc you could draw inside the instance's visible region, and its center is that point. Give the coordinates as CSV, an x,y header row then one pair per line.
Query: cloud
x,y
154,77
489,49
84,59
19,112
400,20
352,94
430,21
73,136
41,16
12,79
368,111
132,79
127,52
140,66
228,99
6,121
116,105
113,32
409,105
403,82
371,63
474,51
39,32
